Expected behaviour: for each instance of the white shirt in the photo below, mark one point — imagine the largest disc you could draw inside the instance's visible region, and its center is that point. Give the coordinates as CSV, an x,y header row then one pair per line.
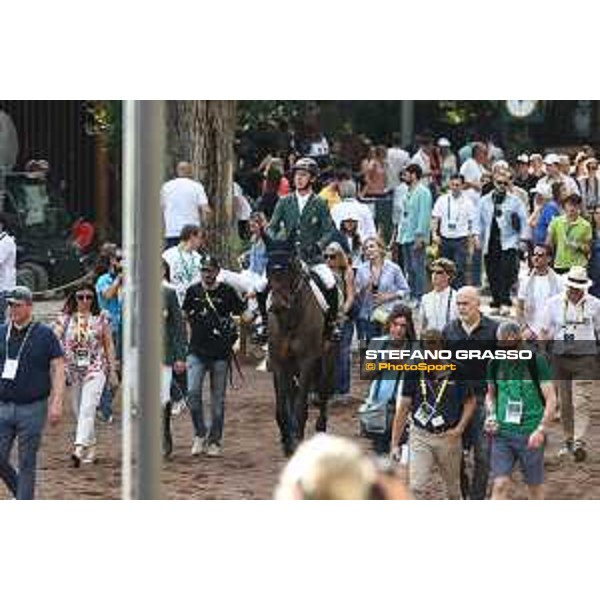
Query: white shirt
x,y
185,266
571,326
472,172
8,261
438,309
421,158
396,160
242,207
535,291
570,185
302,200
180,200
457,215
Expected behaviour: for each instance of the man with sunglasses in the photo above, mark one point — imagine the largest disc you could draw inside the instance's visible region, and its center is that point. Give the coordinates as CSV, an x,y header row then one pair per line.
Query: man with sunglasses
x,y
502,223
535,289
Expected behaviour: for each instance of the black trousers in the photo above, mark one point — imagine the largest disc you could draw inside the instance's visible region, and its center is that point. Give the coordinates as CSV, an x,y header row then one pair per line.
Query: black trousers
x,y
502,268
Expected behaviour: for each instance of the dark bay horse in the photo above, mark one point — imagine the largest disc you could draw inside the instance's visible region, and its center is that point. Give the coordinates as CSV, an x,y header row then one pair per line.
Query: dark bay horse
x,y
300,356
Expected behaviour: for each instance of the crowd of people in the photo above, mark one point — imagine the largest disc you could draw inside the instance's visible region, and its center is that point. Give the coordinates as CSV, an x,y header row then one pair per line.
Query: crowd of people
x,y
523,231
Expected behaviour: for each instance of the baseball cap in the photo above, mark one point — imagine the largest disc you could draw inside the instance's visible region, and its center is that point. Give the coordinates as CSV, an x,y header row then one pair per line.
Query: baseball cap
x,y
443,142
551,159
523,158
20,294
210,262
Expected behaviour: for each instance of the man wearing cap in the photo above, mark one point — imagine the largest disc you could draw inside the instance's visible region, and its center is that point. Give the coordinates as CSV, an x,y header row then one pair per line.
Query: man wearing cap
x,y
524,178
209,306
546,207
8,260
572,322
452,223
32,385
448,162
570,236
554,174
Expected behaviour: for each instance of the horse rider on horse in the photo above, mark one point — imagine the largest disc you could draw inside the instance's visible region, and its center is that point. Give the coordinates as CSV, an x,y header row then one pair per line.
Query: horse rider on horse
x,y
304,217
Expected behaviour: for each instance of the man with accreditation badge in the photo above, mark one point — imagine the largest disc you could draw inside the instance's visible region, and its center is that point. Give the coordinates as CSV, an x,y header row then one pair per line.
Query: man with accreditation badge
x,y
440,405
571,323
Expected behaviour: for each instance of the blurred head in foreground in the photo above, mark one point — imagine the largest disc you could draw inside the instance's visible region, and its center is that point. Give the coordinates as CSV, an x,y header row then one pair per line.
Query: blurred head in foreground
x,y
329,467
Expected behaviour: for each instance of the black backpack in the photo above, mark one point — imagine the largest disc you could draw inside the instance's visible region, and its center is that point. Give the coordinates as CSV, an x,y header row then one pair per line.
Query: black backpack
x,y
533,371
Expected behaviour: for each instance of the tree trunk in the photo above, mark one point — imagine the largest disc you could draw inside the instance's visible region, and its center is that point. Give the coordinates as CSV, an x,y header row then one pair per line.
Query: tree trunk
x,y
202,132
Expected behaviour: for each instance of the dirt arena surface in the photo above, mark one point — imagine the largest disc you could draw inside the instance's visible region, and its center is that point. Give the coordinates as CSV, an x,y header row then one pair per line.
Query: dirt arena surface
x,y
252,458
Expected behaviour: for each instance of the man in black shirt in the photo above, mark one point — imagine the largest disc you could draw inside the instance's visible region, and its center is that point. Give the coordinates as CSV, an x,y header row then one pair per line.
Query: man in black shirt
x,y
473,331
209,306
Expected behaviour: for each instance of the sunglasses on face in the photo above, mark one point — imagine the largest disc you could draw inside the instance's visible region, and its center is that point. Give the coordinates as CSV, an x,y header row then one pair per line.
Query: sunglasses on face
x,y
329,256
539,255
504,183
84,296
438,272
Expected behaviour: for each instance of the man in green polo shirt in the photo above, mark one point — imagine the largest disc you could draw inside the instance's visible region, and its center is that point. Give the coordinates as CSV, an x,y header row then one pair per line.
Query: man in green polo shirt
x,y
570,236
520,403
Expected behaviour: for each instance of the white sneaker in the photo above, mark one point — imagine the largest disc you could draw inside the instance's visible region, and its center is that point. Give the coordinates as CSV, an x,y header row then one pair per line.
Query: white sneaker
x,y
177,408
197,446
89,457
214,450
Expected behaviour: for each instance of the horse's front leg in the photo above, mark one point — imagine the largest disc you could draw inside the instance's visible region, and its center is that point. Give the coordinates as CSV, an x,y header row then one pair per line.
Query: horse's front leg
x,y
284,414
301,400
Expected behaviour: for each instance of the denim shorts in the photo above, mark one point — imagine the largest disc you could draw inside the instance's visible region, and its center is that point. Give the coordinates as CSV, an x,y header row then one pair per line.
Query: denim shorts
x,y
510,448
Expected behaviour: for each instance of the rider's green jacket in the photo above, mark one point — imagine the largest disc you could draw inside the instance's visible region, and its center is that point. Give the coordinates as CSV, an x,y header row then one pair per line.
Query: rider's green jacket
x,y
314,226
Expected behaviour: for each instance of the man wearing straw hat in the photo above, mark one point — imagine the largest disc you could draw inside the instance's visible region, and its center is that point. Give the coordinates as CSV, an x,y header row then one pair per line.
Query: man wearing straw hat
x,y
572,322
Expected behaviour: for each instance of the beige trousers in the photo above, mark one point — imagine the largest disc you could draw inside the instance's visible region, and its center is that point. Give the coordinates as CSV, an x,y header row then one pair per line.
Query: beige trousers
x,y
429,449
575,391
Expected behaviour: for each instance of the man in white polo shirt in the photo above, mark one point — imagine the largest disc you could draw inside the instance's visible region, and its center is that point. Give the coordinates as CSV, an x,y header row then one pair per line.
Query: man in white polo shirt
x,y
572,322
8,271
453,217
554,174
183,202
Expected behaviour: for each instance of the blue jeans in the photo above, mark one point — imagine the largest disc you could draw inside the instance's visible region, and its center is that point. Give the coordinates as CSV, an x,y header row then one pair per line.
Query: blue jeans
x,y
196,370
24,423
476,268
456,251
343,361
367,329
414,266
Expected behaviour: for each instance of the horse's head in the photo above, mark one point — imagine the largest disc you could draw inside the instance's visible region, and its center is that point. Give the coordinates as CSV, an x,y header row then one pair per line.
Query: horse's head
x,y
283,270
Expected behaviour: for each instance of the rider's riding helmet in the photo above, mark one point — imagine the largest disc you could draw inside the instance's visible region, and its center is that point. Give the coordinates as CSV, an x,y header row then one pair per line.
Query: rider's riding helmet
x,y
306,164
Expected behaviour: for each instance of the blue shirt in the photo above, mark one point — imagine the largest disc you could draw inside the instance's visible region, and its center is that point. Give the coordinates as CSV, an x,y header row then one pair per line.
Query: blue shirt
x,y
549,211
391,280
450,404
258,258
37,346
113,305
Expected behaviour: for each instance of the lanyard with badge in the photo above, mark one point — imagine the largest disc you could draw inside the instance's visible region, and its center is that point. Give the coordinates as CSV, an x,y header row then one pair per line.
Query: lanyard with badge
x,y
570,331
513,412
426,412
451,222
11,365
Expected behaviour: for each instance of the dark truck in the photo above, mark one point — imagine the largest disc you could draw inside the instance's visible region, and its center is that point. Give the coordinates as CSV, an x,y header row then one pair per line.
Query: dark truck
x,y
49,253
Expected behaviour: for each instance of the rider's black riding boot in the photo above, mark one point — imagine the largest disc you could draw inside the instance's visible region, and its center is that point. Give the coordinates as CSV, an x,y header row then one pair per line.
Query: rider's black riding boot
x,y
167,438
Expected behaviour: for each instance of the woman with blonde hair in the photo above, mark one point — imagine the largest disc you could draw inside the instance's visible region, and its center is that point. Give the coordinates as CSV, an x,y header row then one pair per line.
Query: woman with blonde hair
x,y
341,268
380,283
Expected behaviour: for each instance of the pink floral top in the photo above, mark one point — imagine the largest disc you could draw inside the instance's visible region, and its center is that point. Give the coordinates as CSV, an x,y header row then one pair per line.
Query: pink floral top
x,y
82,340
